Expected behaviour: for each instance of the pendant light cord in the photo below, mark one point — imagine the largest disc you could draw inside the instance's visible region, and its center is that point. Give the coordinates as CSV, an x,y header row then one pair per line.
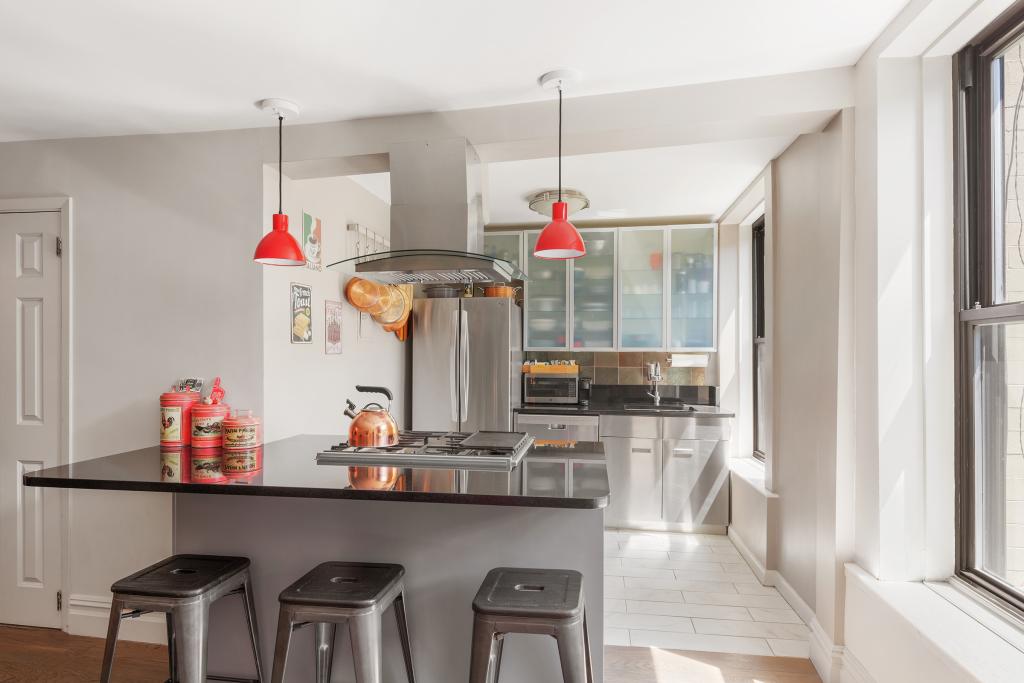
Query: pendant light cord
x,y
559,142
280,172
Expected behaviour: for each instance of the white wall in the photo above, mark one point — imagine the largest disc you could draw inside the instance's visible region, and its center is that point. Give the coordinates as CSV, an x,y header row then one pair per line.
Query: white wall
x,y
305,389
163,286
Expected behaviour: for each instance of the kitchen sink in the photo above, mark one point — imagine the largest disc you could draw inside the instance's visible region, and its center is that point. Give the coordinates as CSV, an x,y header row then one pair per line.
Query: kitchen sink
x,y
663,408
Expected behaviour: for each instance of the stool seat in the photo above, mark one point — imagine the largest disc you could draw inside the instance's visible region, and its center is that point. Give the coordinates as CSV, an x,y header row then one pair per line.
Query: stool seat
x,y
181,576
344,584
547,593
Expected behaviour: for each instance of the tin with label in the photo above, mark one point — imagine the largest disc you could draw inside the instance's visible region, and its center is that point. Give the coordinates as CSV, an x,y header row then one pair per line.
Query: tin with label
x,y
241,431
243,462
176,417
207,424
207,467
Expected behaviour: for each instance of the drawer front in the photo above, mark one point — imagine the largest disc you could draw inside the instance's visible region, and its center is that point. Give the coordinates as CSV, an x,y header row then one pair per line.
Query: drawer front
x,y
696,480
631,426
574,427
634,480
694,427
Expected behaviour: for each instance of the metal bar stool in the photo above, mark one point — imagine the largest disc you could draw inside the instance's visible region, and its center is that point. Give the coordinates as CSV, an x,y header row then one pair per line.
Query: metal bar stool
x,y
543,601
338,592
183,587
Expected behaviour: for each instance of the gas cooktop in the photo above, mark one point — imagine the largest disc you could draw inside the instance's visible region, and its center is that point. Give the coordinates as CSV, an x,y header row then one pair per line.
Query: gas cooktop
x,y
501,451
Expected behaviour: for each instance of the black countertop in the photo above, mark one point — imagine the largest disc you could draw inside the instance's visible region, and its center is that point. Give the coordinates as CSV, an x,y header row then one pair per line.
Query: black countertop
x,y
289,469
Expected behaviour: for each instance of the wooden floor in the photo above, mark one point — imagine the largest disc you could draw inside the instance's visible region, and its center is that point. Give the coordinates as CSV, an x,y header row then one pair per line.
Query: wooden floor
x,y
30,655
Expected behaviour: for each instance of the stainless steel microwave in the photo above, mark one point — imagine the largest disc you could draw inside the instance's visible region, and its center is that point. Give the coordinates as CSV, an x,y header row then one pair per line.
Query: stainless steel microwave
x,y
550,389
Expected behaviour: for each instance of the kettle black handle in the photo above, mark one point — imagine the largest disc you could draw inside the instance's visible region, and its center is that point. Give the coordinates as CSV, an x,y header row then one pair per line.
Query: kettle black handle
x,y
375,390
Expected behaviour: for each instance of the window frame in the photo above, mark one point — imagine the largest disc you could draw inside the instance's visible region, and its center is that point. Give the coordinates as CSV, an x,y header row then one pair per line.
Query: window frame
x,y
757,306
975,214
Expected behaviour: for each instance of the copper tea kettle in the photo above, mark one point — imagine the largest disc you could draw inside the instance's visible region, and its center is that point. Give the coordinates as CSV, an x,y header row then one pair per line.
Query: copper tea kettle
x,y
373,425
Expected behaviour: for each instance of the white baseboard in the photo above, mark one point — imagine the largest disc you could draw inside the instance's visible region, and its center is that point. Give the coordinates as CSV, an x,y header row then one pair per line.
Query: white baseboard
x,y
852,670
88,615
774,578
751,559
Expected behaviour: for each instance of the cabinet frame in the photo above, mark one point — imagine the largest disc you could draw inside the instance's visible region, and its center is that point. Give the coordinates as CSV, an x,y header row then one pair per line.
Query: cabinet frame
x,y
570,316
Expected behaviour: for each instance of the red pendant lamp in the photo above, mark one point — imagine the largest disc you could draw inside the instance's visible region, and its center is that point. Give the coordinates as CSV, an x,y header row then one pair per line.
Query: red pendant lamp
x,y
278,247
559,239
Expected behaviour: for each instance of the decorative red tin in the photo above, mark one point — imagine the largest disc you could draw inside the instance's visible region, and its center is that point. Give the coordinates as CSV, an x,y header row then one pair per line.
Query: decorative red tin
x,y
207,419
207,466
176,417
242,431
243,463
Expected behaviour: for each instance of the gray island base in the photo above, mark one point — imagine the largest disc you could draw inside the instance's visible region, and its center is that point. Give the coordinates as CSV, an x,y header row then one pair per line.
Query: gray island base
x,y
446,550
448,527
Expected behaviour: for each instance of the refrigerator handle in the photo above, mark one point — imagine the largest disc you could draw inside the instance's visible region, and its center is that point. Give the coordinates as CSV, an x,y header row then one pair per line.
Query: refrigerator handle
x,y
453,365
464,369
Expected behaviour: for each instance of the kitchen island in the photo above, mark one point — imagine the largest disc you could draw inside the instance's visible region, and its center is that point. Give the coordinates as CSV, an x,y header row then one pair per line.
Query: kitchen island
x,y
448,527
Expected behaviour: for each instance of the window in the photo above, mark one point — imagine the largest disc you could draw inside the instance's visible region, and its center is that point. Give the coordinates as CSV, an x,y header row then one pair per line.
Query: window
x,y
759,346
989,75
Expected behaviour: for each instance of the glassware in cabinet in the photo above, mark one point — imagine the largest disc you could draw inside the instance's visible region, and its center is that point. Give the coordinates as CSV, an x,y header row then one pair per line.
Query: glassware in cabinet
x,y
692,287
641,288
547,299
593,295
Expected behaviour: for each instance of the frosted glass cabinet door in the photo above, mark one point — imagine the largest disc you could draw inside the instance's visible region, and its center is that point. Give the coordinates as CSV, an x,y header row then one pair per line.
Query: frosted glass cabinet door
x,y
692,287
641,286
593,304
504,245
547,310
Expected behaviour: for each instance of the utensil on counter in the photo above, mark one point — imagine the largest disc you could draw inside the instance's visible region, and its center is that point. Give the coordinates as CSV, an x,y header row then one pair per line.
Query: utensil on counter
x,y
373,425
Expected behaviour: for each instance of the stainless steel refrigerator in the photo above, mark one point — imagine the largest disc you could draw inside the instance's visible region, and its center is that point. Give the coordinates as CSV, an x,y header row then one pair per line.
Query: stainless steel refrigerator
x,y
467,357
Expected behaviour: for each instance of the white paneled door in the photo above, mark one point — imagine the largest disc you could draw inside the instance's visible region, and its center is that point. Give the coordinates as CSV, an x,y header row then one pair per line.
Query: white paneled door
x,y
30,416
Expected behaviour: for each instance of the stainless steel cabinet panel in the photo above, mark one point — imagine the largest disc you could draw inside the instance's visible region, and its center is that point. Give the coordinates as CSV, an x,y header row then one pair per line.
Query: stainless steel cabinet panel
x,y
696,427
634,426
546,477
634,480
696,481
553,426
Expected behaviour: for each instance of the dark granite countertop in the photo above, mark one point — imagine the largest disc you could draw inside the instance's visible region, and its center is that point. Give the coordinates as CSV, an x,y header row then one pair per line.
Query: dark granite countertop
x,y
616,407
553,475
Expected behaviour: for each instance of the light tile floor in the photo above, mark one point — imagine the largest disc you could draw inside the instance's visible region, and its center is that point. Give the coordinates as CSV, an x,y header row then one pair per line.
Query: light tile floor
x,y
693,592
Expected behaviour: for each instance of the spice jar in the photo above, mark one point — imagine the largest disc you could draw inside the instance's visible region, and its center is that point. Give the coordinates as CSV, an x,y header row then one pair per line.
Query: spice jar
x,y
241,431
176,417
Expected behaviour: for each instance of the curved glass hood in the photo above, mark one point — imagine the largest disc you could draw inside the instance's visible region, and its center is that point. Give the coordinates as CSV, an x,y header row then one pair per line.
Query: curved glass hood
x,y
432,266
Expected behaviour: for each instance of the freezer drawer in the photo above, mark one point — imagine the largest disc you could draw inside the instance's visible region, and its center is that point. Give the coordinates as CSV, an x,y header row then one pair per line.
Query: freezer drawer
x,y
572,427
696,482
634,480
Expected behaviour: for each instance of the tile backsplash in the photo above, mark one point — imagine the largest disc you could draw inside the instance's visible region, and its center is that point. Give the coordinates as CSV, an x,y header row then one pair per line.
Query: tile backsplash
x,y
623,367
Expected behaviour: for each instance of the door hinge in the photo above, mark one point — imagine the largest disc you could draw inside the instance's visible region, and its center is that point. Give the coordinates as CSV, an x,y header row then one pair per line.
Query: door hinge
x,y
60,247
60,601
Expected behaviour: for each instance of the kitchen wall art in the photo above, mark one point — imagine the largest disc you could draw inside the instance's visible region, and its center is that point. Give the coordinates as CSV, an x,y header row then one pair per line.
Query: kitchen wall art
x,y
302,314
332,327
312,241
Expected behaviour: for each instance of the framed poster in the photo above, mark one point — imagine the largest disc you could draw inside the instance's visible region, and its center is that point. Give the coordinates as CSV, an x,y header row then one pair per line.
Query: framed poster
x,y
312,241
302,314
332,327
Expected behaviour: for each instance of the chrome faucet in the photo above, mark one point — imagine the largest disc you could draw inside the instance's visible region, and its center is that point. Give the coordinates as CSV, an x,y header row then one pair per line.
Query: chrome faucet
x,y
654,376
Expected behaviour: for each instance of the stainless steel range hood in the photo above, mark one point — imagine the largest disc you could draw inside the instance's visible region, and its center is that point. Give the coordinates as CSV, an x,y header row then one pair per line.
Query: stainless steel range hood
x,y
436,219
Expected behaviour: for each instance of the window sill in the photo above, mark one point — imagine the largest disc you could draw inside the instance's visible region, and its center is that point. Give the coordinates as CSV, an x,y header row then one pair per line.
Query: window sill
x,y
971,602
945,624
752,471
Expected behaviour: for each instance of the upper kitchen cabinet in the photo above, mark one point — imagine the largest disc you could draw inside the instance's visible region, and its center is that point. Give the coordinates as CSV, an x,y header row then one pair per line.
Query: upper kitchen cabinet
x,y
546,300
593,292
507,246
641,288
693,255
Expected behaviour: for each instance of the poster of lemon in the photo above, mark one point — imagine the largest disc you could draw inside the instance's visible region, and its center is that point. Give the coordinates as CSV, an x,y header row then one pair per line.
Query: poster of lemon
x,y
302,314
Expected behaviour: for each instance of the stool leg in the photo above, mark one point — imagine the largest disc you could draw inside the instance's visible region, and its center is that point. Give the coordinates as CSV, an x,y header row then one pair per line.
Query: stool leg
x,y
113,626
571,652
281,645
250,618
325,633
482,651
365,631
191,629
586,647
403,634
172,663
499,648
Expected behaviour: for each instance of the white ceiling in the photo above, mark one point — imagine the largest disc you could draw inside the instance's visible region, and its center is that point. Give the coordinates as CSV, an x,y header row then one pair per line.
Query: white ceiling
x,y
108,67
694,180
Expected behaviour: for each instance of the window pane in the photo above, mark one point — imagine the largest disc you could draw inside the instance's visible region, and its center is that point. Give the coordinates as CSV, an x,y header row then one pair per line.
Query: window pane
x,y
1008,160
999,451
760,414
